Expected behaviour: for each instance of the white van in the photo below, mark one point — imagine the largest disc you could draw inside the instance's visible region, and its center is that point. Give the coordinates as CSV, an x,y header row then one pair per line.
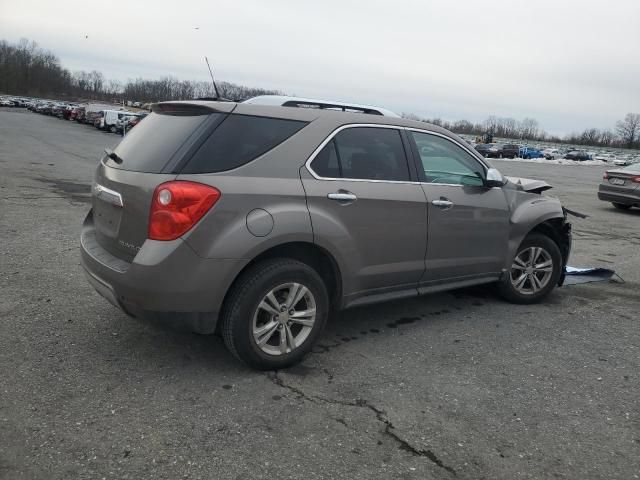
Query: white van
x,y
111,119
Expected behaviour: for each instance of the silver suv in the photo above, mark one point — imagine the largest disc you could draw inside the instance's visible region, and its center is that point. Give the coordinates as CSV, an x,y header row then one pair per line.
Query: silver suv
x,y
257,221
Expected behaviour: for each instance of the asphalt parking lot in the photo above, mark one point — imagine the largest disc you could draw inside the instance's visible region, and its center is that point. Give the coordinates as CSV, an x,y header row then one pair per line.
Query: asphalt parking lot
x,y
454,385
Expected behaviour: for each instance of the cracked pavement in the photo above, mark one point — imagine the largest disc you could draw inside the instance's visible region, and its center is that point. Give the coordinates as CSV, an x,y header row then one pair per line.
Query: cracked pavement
x,y
454,385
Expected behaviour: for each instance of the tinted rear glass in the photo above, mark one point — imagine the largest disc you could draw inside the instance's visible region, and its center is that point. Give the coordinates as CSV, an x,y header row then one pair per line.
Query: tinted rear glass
x,y
151,144
238,140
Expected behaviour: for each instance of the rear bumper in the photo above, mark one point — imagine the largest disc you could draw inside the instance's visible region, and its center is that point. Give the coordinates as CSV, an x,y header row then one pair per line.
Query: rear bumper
x,y
619,198
166,281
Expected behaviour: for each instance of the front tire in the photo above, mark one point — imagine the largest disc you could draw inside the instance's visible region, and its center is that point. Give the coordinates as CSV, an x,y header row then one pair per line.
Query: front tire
x,y
535,271
274,313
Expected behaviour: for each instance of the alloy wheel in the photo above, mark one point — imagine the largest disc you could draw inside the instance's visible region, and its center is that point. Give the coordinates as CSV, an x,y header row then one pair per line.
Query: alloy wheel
x,y
531,270
284,319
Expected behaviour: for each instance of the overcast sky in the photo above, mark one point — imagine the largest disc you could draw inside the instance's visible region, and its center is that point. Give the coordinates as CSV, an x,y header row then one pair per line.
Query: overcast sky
x,y
570,64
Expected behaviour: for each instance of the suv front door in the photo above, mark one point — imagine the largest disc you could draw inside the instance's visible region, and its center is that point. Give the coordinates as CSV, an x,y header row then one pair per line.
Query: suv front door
x,y
468,223
368,210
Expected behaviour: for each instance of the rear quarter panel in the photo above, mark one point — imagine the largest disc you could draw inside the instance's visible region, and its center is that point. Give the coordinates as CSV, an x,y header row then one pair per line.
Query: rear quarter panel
x,y
224,233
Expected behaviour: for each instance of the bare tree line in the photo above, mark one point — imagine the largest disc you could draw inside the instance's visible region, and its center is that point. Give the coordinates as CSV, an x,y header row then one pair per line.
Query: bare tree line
x,y
26,69
626,133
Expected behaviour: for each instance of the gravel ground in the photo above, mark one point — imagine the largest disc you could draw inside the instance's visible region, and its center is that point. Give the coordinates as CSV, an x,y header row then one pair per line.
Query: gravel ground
x,y
454,385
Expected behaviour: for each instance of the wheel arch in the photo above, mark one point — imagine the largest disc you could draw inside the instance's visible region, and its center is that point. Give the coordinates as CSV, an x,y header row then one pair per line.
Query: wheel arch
x,y
306,252
554,227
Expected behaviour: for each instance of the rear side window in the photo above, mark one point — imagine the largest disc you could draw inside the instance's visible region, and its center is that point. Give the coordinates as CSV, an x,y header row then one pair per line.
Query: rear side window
x,y
238,140
365,153
326,162
151,144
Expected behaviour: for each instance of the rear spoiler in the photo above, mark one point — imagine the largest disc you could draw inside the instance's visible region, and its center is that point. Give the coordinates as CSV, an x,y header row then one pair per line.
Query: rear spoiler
x,y
192,108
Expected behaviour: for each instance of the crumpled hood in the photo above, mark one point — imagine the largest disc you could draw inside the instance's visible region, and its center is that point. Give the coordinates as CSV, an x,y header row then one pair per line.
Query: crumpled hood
x,y
530,185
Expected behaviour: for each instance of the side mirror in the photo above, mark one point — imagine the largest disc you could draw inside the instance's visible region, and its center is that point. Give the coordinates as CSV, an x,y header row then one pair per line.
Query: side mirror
x,y
494,179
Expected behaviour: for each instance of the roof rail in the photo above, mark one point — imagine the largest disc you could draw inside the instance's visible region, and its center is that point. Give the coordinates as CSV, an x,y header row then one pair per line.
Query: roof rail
x,y
284,101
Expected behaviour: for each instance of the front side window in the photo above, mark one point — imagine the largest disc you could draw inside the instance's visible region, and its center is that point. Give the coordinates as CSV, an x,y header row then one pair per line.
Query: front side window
x,y
364,153
445,162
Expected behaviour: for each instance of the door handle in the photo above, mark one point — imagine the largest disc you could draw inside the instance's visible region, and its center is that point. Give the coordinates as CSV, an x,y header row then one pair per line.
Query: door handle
x,y
442,203
343,197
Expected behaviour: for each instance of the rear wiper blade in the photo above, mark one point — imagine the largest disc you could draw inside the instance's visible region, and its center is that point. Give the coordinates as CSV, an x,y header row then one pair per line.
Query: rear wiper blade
x,y
113,156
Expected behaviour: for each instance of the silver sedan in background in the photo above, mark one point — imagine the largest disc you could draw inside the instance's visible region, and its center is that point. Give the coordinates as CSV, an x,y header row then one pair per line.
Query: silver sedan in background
x,y
621,187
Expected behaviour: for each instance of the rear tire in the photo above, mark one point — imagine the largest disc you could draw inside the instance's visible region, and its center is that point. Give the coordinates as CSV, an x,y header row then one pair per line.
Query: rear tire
x,y
621,206
535,270
266,328
113,129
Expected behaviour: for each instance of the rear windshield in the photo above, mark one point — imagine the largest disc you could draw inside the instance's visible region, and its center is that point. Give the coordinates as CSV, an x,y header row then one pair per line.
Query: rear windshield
x,y
150,145
238,140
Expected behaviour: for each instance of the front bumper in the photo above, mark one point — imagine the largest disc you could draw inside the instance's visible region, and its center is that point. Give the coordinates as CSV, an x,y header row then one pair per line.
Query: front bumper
x,y
166,281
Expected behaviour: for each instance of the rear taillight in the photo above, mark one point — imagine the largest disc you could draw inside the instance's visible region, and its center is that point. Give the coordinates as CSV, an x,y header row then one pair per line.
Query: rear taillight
x,y
178,206
636,179
606,175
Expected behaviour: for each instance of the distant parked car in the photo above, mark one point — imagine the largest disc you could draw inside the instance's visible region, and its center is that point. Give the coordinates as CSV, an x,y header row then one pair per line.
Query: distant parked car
x,y
551,153
530,152
505,150
7,103
81,115
58,110
137,119
483,148
605,157
97,118
124,122
623,161
621,187
66,113
73,113
46,109
579,155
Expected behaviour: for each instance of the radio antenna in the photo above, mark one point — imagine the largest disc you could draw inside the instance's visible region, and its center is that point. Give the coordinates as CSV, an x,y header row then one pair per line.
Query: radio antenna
x,y
215,88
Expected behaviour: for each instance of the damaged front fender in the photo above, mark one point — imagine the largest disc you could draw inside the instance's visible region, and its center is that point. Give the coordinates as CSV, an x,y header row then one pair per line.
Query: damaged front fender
x,y
530,185
532,212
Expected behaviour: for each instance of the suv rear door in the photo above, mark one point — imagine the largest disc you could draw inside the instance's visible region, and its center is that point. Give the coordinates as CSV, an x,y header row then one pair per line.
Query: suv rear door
x,y
468,223
367,208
